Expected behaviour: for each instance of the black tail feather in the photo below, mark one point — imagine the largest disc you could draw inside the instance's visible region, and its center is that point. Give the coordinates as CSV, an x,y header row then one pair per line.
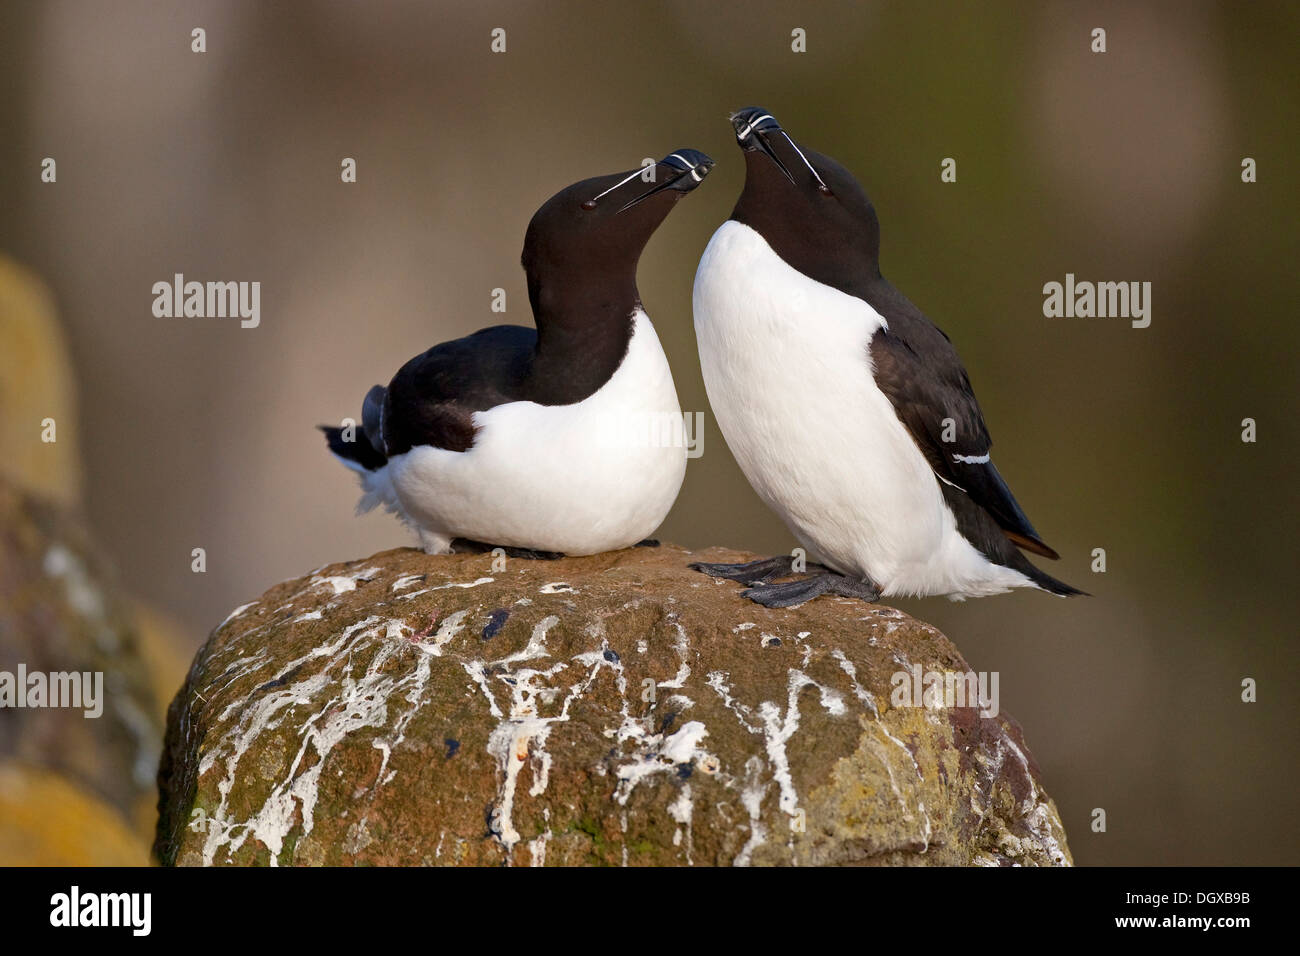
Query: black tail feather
x,y
358,449
982,530
1049,583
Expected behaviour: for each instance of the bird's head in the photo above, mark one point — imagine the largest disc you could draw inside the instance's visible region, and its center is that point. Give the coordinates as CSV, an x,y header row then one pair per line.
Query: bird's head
x,y
597,228
807,206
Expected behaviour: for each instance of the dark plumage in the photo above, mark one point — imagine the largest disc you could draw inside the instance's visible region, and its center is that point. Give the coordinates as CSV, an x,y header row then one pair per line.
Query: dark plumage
x,y
815,216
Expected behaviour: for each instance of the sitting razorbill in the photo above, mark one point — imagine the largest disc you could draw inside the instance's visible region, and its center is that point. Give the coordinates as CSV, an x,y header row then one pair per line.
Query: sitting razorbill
x,y
508,437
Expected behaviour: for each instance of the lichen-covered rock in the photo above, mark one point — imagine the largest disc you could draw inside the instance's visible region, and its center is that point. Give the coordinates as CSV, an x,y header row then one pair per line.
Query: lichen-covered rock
x,y
60,614
615,709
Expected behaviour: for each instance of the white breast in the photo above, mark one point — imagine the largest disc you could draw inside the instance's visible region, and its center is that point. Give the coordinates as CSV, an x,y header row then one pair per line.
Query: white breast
x,y
786,362
593,476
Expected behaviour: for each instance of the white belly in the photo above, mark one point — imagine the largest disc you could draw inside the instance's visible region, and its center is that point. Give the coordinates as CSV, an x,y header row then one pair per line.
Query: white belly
x,y
593,476
786,365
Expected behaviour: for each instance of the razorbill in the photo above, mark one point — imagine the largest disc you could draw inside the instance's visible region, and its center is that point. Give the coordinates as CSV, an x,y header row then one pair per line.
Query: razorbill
x,y
848,411
509,437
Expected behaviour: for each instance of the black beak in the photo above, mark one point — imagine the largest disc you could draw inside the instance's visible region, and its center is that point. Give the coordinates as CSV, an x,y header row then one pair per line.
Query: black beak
x,y
686,170
753,124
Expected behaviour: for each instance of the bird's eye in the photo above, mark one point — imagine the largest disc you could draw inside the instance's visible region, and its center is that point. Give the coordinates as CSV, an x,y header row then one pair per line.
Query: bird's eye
x,y
589,204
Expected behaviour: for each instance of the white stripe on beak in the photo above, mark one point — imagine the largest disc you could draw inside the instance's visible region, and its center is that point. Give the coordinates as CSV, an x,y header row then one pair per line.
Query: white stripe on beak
x,y
805,161
754,122
620,183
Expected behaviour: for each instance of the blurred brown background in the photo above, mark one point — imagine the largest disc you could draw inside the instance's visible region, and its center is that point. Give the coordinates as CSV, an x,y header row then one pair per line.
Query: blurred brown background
x,y
1122,166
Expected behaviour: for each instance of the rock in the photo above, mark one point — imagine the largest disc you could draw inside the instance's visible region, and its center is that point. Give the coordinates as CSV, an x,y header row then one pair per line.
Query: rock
x,y
615,709
60,613
38,383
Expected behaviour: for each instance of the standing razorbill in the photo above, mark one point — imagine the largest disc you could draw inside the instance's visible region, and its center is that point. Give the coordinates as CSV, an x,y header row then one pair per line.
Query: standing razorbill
x,y
848,411
525,438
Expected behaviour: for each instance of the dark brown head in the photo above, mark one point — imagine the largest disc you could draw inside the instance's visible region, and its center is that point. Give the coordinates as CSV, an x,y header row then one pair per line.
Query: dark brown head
x,y
808,207
582,247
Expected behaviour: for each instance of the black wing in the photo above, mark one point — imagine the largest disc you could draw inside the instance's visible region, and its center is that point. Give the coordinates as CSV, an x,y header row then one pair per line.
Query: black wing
x,y
917,368
433,397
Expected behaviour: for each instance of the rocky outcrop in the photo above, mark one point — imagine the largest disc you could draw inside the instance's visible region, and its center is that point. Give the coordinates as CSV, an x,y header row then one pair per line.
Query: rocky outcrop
x,y
80,724
73,789
615,709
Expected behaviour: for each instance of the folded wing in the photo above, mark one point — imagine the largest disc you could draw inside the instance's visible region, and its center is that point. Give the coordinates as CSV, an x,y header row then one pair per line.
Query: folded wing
x,y
917,368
